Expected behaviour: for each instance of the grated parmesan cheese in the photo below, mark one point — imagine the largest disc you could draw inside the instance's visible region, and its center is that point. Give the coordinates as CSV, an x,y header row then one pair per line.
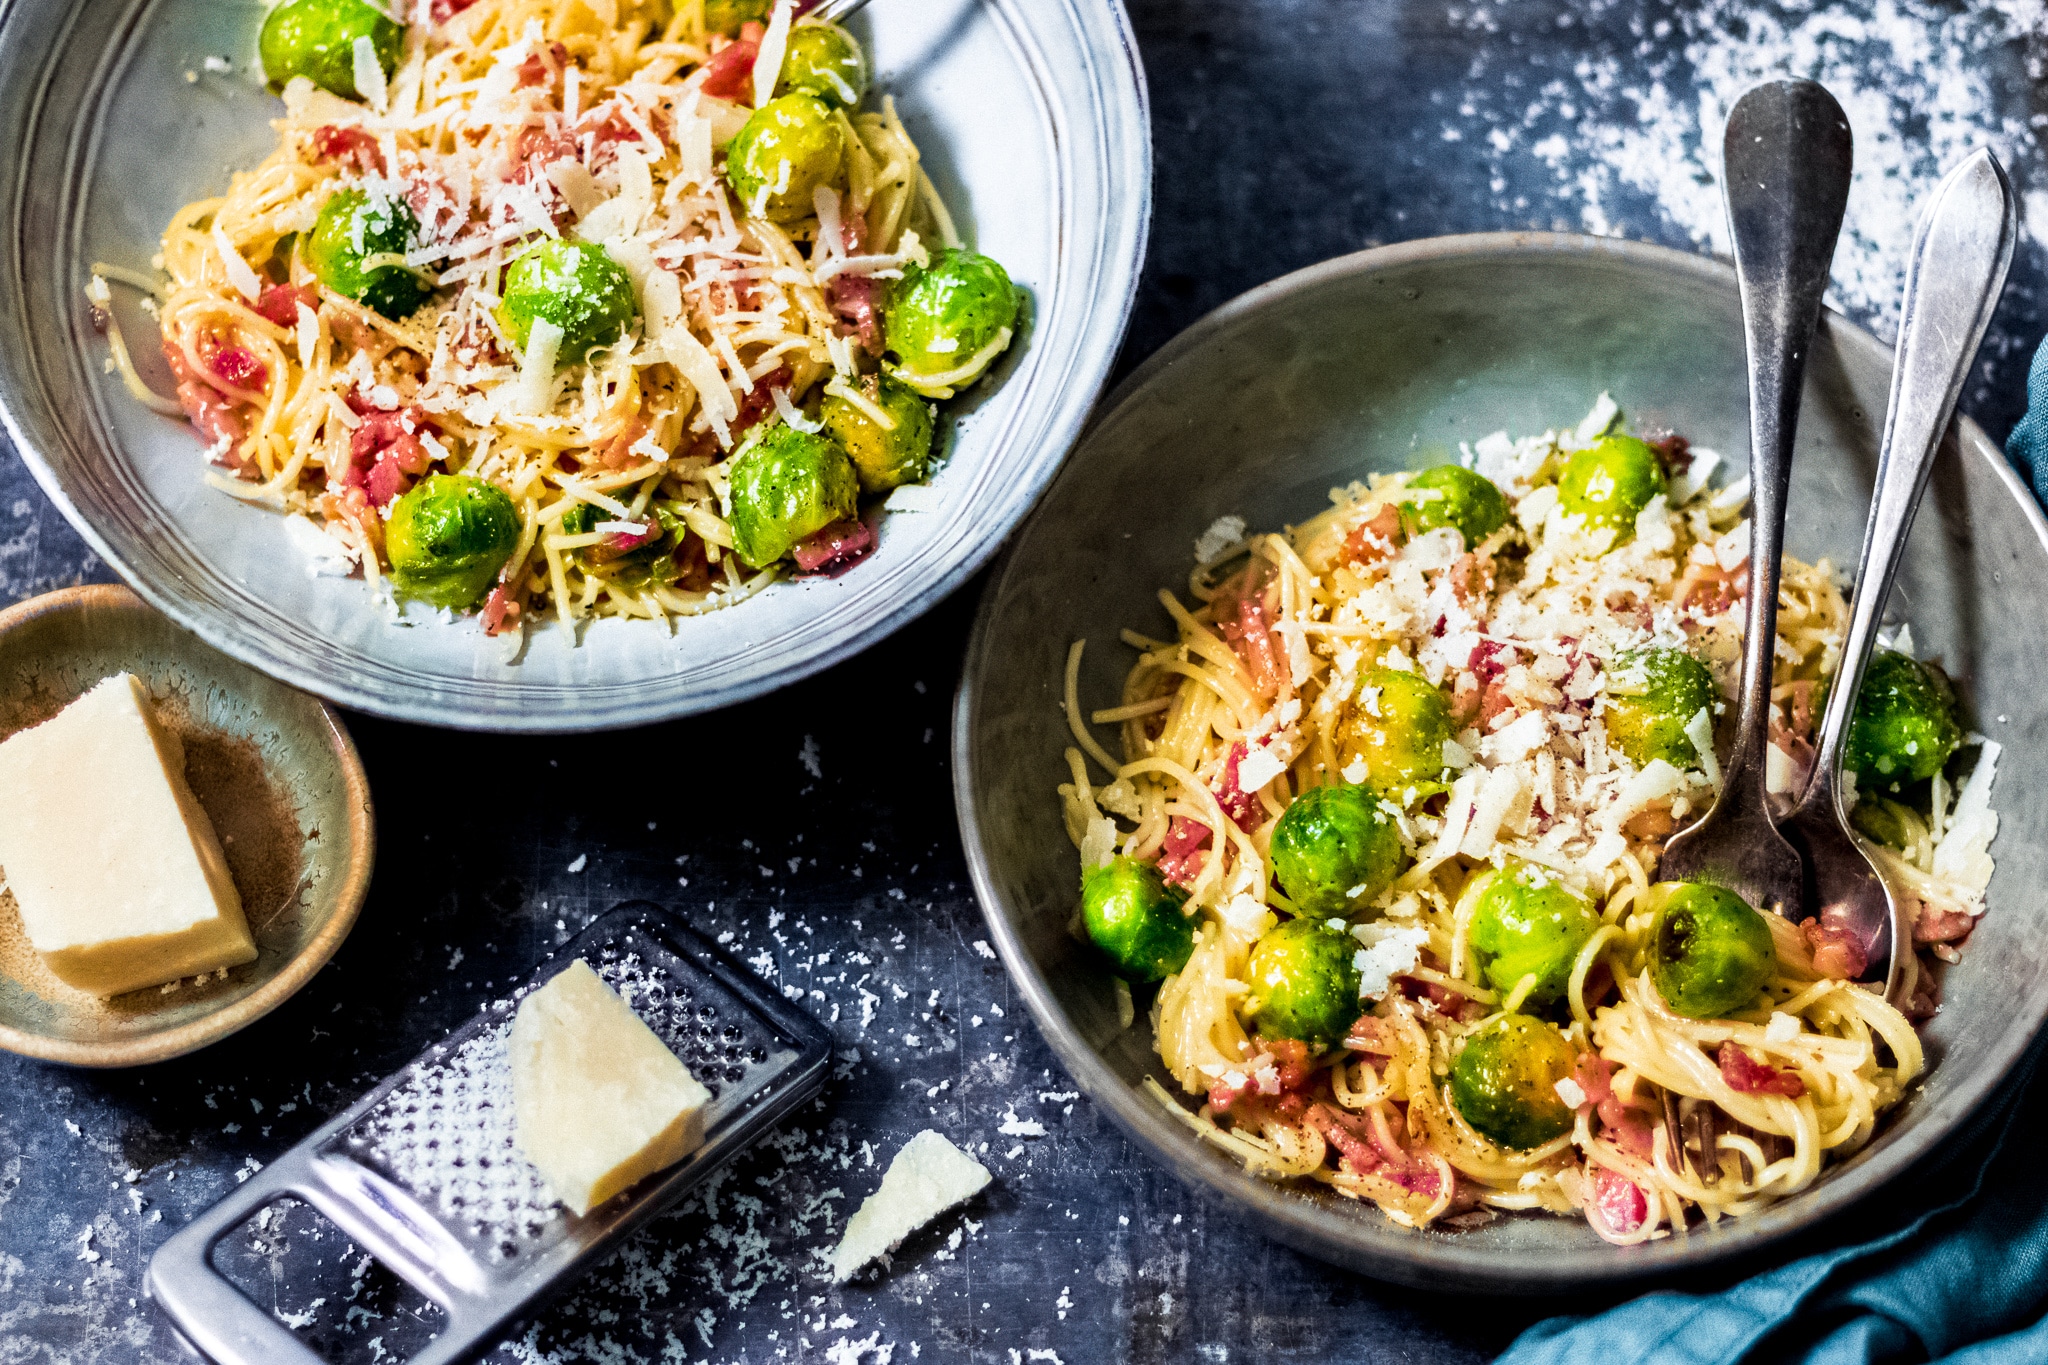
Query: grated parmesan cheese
x,y
927,1177
369,75
245,280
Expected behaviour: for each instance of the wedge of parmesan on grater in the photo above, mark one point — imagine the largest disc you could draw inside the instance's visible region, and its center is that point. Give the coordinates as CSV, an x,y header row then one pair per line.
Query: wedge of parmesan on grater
x,y
599,1103
116,869
928,1176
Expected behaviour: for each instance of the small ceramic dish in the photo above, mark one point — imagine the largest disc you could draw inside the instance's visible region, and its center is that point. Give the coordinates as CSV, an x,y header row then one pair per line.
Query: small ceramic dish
x,y
278,776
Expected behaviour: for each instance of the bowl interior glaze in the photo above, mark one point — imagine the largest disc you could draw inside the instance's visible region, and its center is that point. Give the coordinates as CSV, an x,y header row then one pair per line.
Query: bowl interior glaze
x,y
1031,116
1387,360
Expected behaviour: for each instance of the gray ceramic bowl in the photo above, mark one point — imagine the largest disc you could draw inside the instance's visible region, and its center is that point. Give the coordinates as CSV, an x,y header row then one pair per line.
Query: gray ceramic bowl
x,y
1031,115
1383,361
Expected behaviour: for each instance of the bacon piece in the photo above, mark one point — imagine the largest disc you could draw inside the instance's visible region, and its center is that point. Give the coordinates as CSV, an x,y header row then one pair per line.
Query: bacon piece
x,y
385,453
279,303
1251,635
1355,1150
1620,1204
211,413
236,366
1710,590
1837,952
1242,806
349,146
1375,539
760,402
1183,851
618,452
444,10
1942,926
1748,1076
1626,1128
1594,1075
1471,579
500,612
730,72
541,68
835,549
1675,452
1495,702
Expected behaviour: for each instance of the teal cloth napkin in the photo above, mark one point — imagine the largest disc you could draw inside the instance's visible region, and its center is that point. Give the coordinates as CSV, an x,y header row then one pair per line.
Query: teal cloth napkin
x,y
1949,1265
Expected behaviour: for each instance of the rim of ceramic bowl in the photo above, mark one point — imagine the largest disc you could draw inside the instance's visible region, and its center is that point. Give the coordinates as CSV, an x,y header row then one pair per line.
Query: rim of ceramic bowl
x,y
1318,1227
232,1018
1108,127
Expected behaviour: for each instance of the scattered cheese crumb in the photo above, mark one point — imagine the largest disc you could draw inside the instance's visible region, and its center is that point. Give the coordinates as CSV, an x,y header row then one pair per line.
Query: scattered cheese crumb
x,y
1223,533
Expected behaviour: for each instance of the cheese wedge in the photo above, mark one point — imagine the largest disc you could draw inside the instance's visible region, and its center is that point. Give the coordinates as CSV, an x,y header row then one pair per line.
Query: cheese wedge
x,y
927,1177
599,1103
115,867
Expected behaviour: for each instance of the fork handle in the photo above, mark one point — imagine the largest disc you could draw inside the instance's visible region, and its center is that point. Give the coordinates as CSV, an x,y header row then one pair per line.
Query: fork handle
x,y
837,11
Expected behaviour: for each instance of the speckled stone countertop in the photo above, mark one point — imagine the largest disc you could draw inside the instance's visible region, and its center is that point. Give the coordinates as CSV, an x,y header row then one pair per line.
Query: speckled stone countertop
x,y
816,828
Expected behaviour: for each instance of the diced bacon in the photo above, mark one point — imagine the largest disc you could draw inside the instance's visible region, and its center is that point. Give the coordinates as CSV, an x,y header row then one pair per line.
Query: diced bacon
x,y
542,67
1748,1076
211,413
1675,452
1355,1150
385,482
1251,635
1709,589
618,452
279,303
1471,579
385,453
1369,1033
444,10
352,506
730,73
1942,926
237,366
1626,1128
1376,539
1440,999
1182,852
1291,1059
1620,1204
1493,703
855,299
1837,952
835,549
500,612
349,147
761,402
618,544
1490,659
1594,1075
1242,806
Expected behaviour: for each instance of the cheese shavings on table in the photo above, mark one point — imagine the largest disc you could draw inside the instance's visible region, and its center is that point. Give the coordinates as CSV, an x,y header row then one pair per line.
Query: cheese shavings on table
x,y
600,1102
927,1177
116,869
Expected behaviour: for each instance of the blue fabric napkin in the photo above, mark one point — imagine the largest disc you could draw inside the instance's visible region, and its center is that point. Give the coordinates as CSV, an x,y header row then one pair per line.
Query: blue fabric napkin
x,y
1949,1265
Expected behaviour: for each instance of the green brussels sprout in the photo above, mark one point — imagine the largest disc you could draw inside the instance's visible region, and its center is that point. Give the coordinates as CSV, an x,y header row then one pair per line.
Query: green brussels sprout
x,y
317,39
726,16
1334,849
824,60
1526,923
352,228
1505,1082
448,538
787,485
946,323
652,562
1304,983
1133,916
1710,951
1466,500
1609,483
1398,726
577,286
790,147
886,457
1652,695
1904,727
1882,821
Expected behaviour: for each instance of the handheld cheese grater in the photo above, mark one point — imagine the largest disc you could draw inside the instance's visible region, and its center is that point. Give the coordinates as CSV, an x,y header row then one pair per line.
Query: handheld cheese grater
x,y
423,1173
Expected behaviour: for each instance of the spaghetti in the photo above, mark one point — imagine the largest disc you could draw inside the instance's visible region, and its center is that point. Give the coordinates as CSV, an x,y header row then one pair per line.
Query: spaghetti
x,y
1260,700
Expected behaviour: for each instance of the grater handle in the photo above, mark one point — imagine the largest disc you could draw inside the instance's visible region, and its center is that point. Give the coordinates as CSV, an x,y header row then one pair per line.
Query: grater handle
x,y
209,1311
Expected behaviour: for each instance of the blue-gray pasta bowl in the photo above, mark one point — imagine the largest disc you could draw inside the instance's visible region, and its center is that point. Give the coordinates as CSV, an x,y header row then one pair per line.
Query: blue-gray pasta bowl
x,y
1031,116
1384,361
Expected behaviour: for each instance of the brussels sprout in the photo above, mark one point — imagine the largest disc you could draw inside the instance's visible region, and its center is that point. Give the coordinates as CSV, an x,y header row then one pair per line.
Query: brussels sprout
x,y
1398,726
824,60
1710,951
653,561
726,16
1304,983
351,228
1609,483
448,538
1525,923
946,323
1334,849
787,485
787,149
1505,1082
1135,917
577,286
886,457
317,39
1464,499
1904,727
1652,695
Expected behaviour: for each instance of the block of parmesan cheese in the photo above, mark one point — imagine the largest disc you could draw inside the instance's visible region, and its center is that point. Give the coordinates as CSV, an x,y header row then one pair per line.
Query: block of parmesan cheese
x,y
114,865
599,1102
928,1176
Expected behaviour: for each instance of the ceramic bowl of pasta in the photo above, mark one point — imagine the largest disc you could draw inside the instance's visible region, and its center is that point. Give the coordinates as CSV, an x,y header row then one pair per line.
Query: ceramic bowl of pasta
x,y
540,365
1318,810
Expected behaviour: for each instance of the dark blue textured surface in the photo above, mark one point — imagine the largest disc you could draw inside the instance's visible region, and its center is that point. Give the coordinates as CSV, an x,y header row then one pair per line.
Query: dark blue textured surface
x,y
817,826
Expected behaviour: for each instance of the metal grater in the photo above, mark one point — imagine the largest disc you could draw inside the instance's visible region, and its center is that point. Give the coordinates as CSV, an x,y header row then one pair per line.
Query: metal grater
x,y
423,1174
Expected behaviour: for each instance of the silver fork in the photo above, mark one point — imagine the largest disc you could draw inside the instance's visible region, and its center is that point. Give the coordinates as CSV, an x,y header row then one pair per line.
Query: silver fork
x,y
1785,176
1953,280
837,11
